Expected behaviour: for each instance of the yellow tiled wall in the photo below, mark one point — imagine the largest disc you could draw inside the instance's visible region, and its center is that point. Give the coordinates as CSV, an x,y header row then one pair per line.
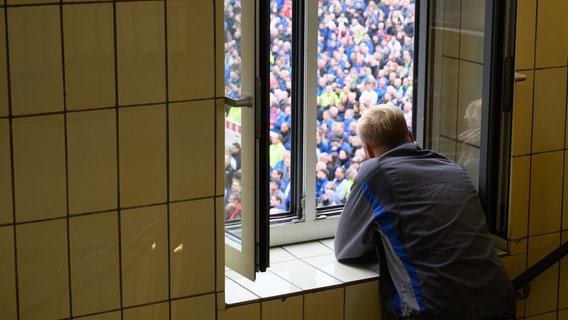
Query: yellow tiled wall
x,y
111,164
539,180
108,121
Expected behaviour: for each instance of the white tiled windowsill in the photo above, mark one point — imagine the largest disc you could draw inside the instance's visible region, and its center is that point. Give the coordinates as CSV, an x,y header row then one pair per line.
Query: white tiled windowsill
x,y
296,269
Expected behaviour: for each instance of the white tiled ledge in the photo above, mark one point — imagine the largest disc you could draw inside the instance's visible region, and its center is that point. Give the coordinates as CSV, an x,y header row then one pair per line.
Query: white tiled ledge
x,y
296,269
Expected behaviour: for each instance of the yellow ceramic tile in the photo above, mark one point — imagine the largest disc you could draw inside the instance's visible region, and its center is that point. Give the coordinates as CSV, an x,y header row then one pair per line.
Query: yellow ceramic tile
x,y
201,307
545,193
7,275
565,197
326,304
551,47
192,149
43,288
36,71
362,301
544,316
563,314
191,72
104,316
220,146
6,213
290,308
144,246
517,246
219,54
522,115
89,56
220,243
39,167
95,278
514,264
192,243
142,153
526,27
544,291
3,69
451,17
64,1
246,312
9,2
91,146
519,197
472,30
151,312
563,279
549,109
140,52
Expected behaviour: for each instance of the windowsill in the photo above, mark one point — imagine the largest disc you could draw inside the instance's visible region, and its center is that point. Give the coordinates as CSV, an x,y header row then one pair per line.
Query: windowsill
x,y
296,269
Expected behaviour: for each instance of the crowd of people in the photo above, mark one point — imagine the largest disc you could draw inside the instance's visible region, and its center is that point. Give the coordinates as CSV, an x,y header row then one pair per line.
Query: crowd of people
x,y
364,57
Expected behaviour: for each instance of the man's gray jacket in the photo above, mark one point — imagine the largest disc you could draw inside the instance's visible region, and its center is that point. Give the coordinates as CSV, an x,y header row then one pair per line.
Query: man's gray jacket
x,y
420,215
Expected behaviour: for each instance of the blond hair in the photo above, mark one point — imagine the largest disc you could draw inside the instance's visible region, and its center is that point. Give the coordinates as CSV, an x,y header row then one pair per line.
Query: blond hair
x,y
383,126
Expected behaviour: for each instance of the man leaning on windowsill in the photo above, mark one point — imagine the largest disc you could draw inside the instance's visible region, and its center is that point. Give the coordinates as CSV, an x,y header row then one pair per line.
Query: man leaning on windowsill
x,y
419,214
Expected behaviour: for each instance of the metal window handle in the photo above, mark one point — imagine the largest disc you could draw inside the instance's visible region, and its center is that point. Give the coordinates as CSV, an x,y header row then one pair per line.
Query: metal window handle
x,y
246,102
520,77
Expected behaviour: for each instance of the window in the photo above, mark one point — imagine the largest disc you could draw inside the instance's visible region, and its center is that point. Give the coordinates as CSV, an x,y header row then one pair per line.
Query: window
x,y
328,60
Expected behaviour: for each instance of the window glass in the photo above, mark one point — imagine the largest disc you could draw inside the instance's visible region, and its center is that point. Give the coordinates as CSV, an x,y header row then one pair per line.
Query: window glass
x,y
457,68
365,57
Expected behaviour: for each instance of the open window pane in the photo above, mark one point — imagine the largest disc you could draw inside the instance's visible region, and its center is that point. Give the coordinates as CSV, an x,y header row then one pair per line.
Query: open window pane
x,y
466,61
457,46
240,167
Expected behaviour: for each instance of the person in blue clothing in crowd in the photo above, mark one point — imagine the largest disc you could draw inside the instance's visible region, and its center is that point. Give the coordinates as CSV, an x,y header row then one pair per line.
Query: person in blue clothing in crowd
x,y
321,181
419,214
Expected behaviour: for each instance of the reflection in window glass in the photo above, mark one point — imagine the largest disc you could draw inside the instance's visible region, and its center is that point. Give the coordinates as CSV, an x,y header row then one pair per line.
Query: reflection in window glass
x,y
457,77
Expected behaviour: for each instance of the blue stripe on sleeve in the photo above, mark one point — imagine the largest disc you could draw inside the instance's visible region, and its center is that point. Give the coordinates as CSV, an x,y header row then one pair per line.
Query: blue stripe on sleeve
x,y
387,227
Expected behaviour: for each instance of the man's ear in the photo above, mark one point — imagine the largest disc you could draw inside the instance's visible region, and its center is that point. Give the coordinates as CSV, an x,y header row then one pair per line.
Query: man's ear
x,y
368,150
411,136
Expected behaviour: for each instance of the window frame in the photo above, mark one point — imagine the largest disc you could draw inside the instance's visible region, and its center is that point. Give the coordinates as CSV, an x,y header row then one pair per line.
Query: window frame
x,y
309,224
